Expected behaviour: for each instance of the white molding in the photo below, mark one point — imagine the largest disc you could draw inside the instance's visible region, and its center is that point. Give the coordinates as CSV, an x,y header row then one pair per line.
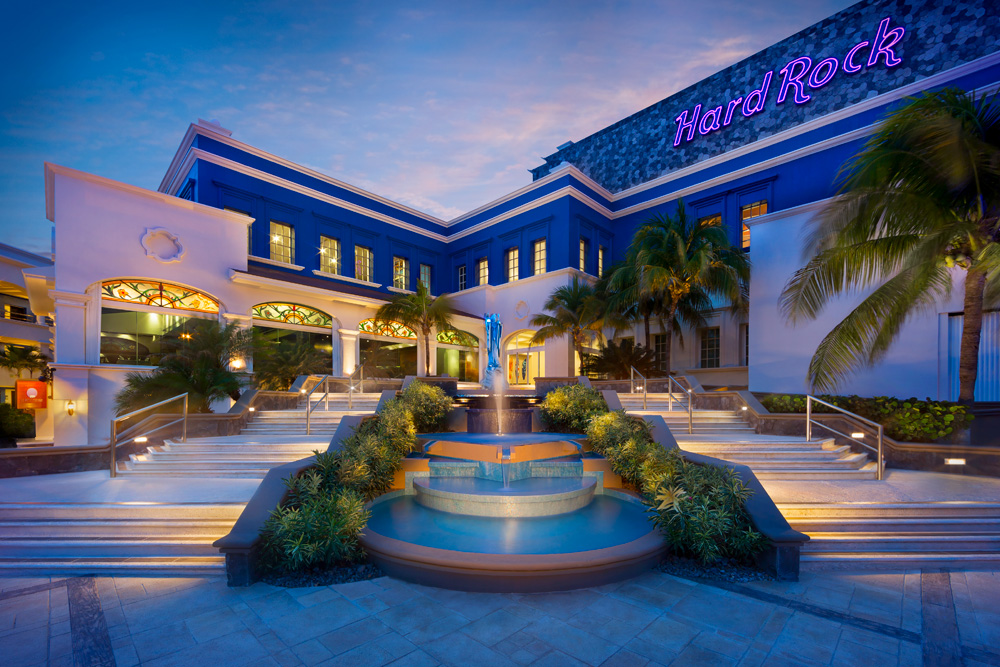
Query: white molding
x,y
309,192
284,286
271,324
398,290
275,262
788,212
349,279
124,368
52,170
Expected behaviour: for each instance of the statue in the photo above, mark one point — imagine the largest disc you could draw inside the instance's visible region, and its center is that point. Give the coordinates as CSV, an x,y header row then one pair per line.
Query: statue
x,y
493,333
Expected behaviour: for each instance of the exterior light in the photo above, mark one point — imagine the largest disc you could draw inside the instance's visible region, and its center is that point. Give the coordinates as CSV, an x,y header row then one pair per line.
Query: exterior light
x,y
237,363
857,436
253,409
302,391
141,439
744,408
71,408
954,462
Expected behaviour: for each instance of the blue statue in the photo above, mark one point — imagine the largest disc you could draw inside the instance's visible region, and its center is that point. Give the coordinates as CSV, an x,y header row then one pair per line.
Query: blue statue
x,y
493,333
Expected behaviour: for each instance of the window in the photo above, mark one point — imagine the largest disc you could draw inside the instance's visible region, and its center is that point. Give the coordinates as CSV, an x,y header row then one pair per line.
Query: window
x,y
713,220
754,210
425,276
282,243
143,338
600,261
538,253
660,348
483,271
513,274
400,272
329,255
710,347
745,348
583,254
18,313
363,261
461,278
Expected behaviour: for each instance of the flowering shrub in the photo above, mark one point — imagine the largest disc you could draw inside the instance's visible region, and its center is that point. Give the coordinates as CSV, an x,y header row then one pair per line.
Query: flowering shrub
x,y
569,409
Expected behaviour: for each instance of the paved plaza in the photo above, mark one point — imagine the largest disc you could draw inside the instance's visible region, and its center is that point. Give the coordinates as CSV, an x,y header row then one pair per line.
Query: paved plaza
x,y
837,618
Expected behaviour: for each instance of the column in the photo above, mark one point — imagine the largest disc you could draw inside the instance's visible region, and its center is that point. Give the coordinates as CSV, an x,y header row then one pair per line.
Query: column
x,y
350,351
337,362
434,354
420,357
244,322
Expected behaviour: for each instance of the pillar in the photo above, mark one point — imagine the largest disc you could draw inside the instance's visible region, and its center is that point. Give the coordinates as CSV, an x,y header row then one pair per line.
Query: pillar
x,y
350,351
244,322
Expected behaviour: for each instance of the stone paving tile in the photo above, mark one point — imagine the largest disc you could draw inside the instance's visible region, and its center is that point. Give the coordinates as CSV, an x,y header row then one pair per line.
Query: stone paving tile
x,y
317,595
575,642
494,627
312,652
410,615
445,622
625,658
304,624
29,646
237,648
416,658
849,654
369,654
557,659
356,589
274,605
561,604
463,651
162,640
212,624
694,655
353,635
807,637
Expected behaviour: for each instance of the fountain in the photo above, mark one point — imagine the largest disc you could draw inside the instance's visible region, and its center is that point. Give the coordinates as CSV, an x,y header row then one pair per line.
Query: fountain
x,y
500,508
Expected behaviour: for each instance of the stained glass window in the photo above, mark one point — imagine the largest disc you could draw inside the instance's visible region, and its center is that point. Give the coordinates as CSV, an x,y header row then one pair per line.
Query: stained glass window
x,y
292,313
456,337
163,295
386,328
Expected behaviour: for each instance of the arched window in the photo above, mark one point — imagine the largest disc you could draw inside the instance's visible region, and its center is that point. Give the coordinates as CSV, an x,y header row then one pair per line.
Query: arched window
x,y
456,337
389,329
292,313
162,295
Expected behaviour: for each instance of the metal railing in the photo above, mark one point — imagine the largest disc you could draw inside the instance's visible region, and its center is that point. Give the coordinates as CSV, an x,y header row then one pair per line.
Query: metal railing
x,y
325,383
880,462
113,446
632,373
690,400
360,370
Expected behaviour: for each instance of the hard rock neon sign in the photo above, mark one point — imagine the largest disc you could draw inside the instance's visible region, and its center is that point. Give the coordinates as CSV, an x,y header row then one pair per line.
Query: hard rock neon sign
x,y
796,77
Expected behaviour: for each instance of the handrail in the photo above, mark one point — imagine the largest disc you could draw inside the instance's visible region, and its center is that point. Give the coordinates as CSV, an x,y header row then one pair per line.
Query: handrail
x,y
350,385
880,461
645,384
690,400
325,382
113,444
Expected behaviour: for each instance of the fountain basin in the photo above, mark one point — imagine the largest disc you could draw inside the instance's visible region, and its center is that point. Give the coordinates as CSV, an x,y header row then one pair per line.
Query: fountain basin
x,y
481,420
608,540
534,496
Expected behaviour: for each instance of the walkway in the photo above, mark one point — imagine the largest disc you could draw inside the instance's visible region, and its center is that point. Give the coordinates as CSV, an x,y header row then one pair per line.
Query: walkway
x,y
883,619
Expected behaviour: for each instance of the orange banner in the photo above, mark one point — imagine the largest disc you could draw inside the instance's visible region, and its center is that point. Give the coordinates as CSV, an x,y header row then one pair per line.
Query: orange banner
x,y
31,395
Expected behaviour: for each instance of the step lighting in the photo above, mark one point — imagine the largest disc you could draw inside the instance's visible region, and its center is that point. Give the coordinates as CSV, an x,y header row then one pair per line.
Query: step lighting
x,y
857,436
954,462
252,409
141,438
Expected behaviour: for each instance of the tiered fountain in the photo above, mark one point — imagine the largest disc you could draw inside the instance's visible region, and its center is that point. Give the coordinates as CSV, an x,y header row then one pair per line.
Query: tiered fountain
x,y
505,509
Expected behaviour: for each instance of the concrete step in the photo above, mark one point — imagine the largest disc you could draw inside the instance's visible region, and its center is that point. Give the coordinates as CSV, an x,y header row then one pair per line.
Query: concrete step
x,y
69,548
163,566
800,462
907,542
780,456
935,525
818,474
186,450
188,528
819,562
204,465
891,511
121,512
257,473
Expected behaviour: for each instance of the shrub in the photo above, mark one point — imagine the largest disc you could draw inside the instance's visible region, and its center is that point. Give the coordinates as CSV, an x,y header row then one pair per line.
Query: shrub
x,y
15,424
569,409
700,509
428,405
904,419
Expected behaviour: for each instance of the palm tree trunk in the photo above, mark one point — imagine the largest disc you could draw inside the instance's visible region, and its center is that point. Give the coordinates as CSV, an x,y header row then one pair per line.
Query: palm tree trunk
x,y
972,326
668,334
645,322
427,353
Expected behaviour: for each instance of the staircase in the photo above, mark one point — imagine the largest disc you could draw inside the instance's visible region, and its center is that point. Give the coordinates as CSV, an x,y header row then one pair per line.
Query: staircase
x,y
271,438
114,538
723,434
906,535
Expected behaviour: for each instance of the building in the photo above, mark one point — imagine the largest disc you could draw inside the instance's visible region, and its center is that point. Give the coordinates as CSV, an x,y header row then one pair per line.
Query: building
x,y
20,327
237,234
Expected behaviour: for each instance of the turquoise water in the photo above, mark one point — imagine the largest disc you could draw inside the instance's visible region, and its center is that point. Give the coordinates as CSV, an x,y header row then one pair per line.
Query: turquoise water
x,y
531,486
605,522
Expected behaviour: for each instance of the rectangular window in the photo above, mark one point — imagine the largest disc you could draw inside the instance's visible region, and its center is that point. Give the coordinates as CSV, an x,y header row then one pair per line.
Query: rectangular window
x,y
483,271
282,243
141,338
600,261
17,313
754,210
400,273
513,259
364,260
461,278
713,220
660,348
425,276
329,255
710,347
583,254
538,254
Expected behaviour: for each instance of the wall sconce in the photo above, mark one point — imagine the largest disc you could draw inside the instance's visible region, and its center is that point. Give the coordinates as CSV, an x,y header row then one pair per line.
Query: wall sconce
x,y
252,409
71,408
237,363
141,439
858,435
954,462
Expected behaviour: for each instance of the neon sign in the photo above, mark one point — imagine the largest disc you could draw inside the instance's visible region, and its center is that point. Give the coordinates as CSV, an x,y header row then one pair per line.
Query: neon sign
x,y
796,77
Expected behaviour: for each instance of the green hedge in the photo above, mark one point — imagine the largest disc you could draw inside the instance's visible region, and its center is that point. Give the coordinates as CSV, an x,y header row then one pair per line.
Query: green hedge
x,y
570,408
907,420
699,509
319,523
15,424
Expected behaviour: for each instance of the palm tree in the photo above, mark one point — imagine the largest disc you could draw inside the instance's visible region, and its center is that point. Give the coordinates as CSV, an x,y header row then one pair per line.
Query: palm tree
x,y
20,358
576,311
422,312
200,367
683,265
276,365
617,359
919,204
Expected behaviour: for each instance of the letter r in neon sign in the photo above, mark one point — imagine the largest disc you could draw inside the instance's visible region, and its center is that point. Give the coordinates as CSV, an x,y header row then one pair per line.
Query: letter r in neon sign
x,y
792,74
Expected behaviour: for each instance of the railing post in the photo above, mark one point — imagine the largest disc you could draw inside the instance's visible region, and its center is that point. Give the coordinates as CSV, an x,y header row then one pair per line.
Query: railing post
x,y
326,385
114,437
670,393
690,412
631,380
879,470
809,421
184,429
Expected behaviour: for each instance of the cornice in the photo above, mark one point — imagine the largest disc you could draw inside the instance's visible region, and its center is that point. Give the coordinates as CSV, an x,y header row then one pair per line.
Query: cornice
x,y
287,287
275,262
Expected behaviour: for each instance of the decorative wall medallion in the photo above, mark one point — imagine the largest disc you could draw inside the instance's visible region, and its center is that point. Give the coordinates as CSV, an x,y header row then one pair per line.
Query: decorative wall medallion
x,y
161,245
521,310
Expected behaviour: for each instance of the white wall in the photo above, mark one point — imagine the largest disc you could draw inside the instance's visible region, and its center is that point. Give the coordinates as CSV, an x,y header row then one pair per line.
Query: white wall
x,y
780,352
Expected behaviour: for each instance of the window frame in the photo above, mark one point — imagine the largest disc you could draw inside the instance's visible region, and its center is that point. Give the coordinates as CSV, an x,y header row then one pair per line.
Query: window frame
x,y
749,212
601,256
702,349
368,254
400,272
426,283
330,257
277,226
483,271
539,256
512,258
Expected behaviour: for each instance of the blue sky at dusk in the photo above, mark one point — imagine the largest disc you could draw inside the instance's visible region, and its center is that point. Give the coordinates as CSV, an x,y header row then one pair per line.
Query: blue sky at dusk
x,y
442,106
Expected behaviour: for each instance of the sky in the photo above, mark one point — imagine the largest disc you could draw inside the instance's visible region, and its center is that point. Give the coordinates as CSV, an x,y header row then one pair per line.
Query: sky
x,y
442,106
